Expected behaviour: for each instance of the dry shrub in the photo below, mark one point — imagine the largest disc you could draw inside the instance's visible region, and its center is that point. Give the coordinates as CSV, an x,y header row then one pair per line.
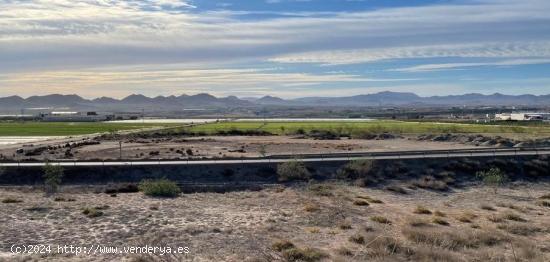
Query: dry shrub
x,y
311,207
321,189
303,254
431,254
530,252
282,244
487,207
396,189
344,251
452,240
417,222
545,196
495,219
360,202
513,217
519,229
357,239
370,199
346,225
429,182
10,200
380,219
382,246
440,221
466,217
422,210
439,213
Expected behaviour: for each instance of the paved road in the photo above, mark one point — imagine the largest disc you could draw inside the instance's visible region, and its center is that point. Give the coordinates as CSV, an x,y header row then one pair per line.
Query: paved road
x,y
482,152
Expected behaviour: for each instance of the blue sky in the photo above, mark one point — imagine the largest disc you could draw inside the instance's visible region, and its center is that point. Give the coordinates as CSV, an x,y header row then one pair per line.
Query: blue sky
x,y
286,48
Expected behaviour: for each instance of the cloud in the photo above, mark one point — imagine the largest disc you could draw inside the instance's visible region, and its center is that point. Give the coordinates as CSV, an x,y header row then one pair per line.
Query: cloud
x,y
170,81
448,66
103,32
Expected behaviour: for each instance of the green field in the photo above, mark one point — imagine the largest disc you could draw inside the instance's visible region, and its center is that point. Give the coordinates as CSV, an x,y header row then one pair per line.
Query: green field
x,y
68,128
376,127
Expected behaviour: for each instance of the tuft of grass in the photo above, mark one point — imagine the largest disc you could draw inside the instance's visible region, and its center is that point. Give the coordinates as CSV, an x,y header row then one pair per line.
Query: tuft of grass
x,y
92,212
344,251
360,202
440,221
519,229
545,196
370,199
381,220
513,217
311,207
304,254
495,219
439,214
280,245
345,225
452,240
416,222
422,210
10,200
321,189
487,207
466,217
396,189
357,239
159,188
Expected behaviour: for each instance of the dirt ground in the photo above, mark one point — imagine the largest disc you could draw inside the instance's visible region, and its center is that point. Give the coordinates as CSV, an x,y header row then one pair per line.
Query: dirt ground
x,y
215,147
315,222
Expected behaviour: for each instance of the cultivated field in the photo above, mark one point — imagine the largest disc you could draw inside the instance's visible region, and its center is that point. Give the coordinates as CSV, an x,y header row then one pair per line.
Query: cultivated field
x,y
29,128
375,127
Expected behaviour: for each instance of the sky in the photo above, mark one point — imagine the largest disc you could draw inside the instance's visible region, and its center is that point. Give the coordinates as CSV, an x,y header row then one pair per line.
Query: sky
x,y
285,48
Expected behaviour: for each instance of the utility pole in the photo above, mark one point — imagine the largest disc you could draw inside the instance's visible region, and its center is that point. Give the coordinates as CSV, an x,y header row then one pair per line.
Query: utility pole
x,y
120,149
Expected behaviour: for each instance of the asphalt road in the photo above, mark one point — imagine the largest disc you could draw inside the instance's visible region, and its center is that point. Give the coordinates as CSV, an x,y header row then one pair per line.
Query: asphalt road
x,y
482,152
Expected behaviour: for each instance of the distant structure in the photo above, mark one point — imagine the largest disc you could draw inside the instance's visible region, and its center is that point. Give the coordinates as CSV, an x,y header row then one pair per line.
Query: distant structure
x,y
66,116
523,116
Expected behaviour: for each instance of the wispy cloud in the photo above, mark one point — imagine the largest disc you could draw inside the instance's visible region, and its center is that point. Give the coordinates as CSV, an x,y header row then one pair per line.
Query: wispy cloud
x,y
448,66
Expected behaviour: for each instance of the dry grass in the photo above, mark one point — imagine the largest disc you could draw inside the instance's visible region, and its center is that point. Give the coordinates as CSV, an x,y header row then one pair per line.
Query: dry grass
x,y
519,229
311,207
10,200
487,207
440,221
466,217
439,213
360,202
422,210
513,217
452,240
380,219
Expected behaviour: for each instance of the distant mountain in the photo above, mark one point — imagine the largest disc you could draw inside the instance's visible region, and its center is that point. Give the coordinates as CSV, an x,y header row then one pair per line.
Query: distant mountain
x,y
137,102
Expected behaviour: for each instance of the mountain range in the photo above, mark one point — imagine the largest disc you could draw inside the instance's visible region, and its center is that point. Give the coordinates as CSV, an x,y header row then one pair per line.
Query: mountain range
x,y
138,102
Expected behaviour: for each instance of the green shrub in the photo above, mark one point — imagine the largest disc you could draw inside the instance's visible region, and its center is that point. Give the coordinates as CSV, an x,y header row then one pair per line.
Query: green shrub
x,y
494,178
292,170
52,177
159,188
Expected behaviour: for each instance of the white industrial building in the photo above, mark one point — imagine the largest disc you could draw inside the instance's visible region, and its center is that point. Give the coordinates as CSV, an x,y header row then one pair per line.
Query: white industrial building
x,y
65,116
523,116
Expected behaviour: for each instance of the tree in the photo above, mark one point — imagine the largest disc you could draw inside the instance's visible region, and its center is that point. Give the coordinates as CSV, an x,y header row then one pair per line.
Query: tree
x,y
52,177
494,177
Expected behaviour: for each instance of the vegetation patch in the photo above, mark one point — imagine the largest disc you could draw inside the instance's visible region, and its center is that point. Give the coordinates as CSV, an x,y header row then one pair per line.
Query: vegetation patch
x,y
422,210
159,188
92,212
292,171
381,220
10,200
